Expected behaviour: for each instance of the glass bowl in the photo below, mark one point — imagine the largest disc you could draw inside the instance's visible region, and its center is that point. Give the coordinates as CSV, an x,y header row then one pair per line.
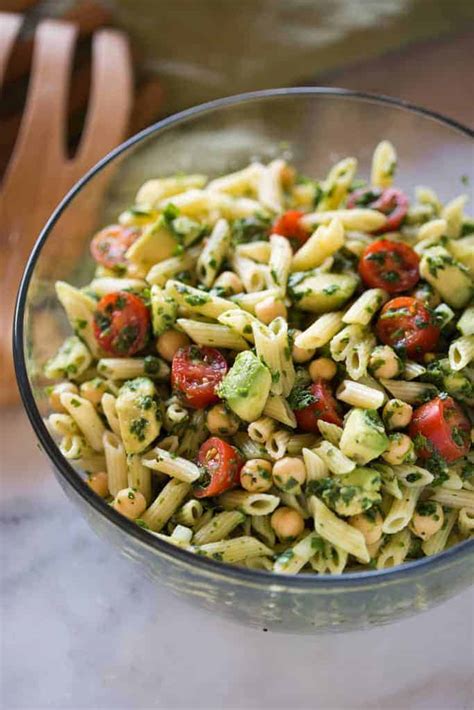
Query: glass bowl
x,y
314,128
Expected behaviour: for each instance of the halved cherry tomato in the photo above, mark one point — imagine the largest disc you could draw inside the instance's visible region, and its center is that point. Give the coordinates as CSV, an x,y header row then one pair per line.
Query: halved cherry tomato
x,y
196,372
392,202
442,427
221,464
121,323
392,266
289,225
109,246
323,407
407,326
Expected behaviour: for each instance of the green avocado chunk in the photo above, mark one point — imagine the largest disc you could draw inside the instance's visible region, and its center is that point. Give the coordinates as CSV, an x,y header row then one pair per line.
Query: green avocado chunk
x,y
363,437
324,292
246,386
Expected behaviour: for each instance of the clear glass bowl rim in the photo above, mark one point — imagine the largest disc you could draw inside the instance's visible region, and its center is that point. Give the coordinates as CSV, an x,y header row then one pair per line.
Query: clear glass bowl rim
x,y
207,566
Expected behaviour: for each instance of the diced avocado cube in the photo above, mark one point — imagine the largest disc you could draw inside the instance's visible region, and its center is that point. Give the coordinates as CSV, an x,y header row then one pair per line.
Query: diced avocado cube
x,y
352,493
246,386
448,276
72,359
155,244
363,437
138,414
324,292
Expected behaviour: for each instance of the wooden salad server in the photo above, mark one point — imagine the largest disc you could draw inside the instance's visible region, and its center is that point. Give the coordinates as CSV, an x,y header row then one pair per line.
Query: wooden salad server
x,y
40,172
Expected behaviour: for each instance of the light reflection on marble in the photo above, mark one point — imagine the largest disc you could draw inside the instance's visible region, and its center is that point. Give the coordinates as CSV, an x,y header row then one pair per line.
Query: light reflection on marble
x,y
83,628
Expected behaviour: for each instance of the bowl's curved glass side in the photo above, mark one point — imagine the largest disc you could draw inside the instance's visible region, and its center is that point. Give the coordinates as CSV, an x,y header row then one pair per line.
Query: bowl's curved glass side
x,y
313,130
278,607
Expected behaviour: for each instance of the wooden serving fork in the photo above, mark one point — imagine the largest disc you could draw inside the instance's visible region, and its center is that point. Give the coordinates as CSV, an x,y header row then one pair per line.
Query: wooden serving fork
x,y
40,172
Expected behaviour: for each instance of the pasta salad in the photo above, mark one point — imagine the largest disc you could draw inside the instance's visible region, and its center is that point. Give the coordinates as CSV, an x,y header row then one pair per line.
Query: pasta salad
x,y
275,371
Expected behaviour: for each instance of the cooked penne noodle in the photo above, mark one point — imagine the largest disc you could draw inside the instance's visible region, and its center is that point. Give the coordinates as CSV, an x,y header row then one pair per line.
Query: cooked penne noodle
x,y
236,550
453,498
359,395
261,429
320,332
411,392
139,476
194,300
212,334
165,462
295,558
316,467
437,542
249,503
257,251
365,307
395,551
361,219
166,504
86,418
461,352
384,162
214,252
109,408
279,262
190,513
325,241
337,462
278,408
401,511
127,368
337,531
219,527
466,522
116,463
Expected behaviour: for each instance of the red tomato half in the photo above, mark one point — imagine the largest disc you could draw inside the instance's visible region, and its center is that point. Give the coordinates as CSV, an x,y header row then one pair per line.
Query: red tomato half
x,y
407,325
392,266
221,463
109,246
392,202
121,323
444,426
324,407
196,372
289,225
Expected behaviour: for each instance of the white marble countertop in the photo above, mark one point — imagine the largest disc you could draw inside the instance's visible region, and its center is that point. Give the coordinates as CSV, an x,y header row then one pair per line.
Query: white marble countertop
x,y
82,628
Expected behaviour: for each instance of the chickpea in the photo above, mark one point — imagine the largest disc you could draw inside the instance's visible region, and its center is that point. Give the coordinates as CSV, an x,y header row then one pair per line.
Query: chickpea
x,y
57,391
99,483
256,476
300,355
427,295
428,358
93,390
229,282
221,421
289,474
397,414
427,519
322,368
400,450
270,308
169,342
287,523
384,362
130,502
370,525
